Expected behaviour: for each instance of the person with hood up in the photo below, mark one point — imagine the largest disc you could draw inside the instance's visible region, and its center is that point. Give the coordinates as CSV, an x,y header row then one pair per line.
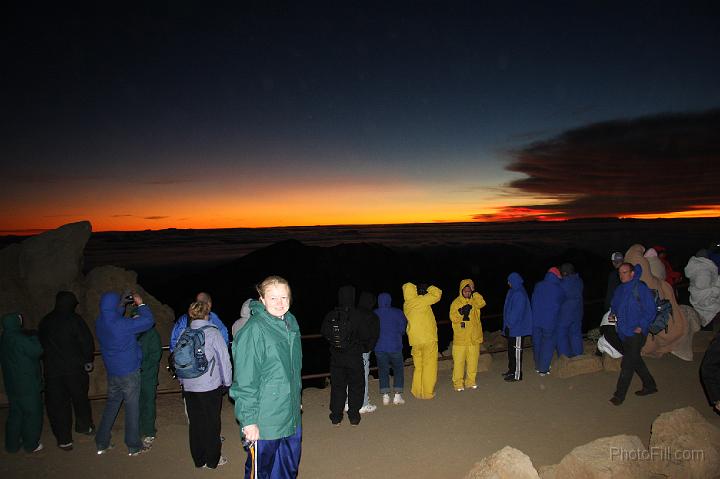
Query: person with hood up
x,y
704,286
633,310
204,394
122,355
68,348
20,353
388,349
569,332
342,327
467,335
671,276
182,323
547,298
517,322
422,335
243,319
267,383
369,332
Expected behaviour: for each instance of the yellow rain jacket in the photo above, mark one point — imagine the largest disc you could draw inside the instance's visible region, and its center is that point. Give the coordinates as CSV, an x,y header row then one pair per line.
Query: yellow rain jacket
x,y
421,326
471,333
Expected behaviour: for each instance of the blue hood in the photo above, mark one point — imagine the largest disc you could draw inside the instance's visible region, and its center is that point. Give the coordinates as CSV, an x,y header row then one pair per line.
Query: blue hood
x,y
384,300
515,280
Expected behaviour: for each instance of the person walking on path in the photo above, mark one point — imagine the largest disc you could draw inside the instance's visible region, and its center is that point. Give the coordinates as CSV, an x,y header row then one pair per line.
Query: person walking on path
x,y
422,335
68,357
388,350
517,322
467,335
633,309
20,353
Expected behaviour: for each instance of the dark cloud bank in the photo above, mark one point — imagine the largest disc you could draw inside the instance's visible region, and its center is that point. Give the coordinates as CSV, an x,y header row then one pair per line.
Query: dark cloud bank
x,y
647,165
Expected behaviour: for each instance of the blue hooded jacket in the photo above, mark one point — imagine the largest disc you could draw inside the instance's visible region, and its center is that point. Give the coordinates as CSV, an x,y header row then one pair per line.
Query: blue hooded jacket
x,y
517,313
572,308
634,305
547,298
117,334
392,325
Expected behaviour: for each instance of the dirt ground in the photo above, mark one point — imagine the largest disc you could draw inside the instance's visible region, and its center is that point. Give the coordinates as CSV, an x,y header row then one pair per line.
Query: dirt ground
x,y
545,417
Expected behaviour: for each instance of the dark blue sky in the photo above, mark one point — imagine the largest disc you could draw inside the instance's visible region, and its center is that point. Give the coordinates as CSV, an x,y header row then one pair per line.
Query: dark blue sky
x,y
189,115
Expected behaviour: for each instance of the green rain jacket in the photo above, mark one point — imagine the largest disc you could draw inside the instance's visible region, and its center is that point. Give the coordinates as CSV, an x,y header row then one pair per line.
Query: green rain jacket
x,y
267,359
20,358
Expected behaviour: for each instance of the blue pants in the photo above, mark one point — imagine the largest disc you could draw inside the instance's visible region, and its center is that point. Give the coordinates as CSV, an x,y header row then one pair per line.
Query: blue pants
x,y
544,340
121,389
276,458
385,361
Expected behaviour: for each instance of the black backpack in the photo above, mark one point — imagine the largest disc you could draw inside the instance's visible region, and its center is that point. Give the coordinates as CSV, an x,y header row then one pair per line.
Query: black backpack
x,y
338,331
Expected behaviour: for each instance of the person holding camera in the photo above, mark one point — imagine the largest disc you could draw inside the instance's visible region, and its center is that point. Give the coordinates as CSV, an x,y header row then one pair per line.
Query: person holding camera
x,y
467,335
122,356
422,335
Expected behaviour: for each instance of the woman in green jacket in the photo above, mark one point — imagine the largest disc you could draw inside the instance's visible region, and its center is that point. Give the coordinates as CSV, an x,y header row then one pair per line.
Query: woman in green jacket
x,y
266,387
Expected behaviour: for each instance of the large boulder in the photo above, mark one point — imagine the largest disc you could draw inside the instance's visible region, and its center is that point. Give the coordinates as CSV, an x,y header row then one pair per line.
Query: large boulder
x,y
616,457
564,367
507,463
33,271
684,444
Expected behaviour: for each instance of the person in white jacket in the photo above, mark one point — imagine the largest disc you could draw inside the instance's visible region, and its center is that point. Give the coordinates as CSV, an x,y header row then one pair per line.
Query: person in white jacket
x,y
704,286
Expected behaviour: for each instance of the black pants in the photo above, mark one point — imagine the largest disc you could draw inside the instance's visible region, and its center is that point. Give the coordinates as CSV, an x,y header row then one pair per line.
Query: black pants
x,y
611,336
632,362
63,394
514,350
203,411
347,380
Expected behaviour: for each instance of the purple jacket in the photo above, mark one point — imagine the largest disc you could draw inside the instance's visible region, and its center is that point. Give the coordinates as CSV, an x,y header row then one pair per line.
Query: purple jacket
x,y
220,373
392,326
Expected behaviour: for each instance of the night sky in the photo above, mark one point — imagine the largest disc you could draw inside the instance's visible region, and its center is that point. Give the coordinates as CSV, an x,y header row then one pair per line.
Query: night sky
x,y
181,114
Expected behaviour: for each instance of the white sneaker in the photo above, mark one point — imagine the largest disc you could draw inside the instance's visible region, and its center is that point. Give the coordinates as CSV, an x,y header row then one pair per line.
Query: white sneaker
x,y
386,399
368,408
39,447
398,400
148,440
459,389
346,407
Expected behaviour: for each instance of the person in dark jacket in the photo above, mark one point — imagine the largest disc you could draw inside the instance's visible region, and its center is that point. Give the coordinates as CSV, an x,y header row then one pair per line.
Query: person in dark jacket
x,y
613,280
369,333
710,372
569,335
346,361
547,298
122,356
633,309
68,348
20,353
388,349
151,347
517,322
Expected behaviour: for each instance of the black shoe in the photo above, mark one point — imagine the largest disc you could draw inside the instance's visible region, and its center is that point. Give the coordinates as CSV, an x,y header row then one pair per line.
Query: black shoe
x,y
511,378
89,432
615,401
645,392
507,373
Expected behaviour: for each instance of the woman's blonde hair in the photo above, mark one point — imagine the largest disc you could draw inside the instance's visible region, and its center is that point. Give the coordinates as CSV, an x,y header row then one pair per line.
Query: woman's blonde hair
x,y
198,310
272,281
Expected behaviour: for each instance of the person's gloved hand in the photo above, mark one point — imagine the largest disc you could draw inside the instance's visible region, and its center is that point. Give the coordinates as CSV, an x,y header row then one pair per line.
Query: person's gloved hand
x,y
465,311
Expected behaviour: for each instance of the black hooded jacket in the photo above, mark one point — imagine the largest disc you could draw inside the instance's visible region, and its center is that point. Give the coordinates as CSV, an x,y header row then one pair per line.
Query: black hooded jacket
x,y
369,322
65,337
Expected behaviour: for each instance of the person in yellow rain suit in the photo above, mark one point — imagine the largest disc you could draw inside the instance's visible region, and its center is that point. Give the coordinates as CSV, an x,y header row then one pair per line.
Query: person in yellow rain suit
x,y
422,335
467,335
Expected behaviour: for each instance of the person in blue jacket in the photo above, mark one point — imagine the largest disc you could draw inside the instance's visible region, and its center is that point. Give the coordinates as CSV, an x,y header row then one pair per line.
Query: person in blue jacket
x,y
182,323
569,332
517,322
547,298
633,309
388,349
122,356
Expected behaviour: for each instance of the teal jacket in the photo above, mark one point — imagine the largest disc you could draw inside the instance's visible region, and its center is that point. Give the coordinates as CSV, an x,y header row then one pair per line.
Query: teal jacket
x,y
20,358
267,359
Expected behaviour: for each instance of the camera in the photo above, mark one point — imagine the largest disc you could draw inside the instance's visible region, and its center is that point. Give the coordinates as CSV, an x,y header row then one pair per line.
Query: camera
x,y
422,288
